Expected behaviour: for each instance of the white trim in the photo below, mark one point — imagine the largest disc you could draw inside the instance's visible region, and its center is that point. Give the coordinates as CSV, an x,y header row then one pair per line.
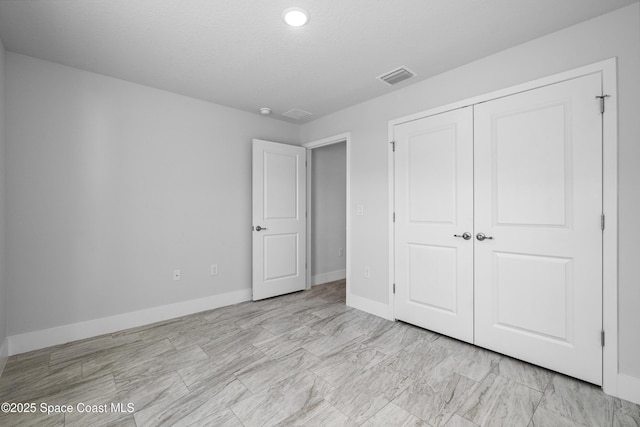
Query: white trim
x,y
628,388
62,334
4,354
346,138
611,379
391,167
610,235
330,276
328,141
369,306
309,217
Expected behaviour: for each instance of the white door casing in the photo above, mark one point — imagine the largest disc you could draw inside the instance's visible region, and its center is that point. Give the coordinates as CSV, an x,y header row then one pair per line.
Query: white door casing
x,y
279,223
538,193
433,204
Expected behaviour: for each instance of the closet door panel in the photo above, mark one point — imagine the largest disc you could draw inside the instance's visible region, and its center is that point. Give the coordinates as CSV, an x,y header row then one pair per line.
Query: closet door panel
x,y
538,196
434,202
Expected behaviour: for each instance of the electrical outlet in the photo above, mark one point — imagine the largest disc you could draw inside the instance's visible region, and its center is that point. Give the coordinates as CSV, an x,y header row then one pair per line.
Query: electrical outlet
x,y
367,272
340,252
176,274
360,210
214,269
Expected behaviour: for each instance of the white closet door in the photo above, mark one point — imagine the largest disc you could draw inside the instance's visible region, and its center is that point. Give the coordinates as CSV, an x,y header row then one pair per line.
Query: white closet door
x,y
434,202
538,195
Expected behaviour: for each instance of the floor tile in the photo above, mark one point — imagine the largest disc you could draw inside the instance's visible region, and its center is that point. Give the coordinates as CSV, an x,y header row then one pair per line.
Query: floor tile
x,y
365,393
139,369
291,398
266,372
195,406
544,418
320,414
78,349
626,414
578,401
498,401
436,406
339,366
458,421
35,419
524,373
211,369
392,415
287,342
224,418
398,337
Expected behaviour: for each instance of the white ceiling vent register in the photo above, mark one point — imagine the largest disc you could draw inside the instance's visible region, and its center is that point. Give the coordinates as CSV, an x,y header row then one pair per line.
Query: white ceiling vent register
x,y
396,76
297,114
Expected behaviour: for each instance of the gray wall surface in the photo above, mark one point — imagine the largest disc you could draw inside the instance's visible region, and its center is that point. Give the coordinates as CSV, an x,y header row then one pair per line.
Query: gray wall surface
x,y
328,208
112,185
616,34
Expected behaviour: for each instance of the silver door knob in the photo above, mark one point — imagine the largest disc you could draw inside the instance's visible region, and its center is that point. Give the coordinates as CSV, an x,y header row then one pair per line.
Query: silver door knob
x,y
258,228
481,237
466,235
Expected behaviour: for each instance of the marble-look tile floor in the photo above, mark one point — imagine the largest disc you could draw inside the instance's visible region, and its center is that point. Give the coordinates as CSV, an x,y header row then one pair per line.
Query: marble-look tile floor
x,y
299,359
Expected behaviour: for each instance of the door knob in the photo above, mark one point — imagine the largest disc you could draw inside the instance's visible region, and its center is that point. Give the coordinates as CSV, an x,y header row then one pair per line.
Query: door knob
x,y
258,228
481,237
466,235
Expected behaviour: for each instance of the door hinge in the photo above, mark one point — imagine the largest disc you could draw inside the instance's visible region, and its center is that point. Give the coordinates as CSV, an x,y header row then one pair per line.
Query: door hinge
x,y
602,338
393,146
394,288
602,222
602,98
394,217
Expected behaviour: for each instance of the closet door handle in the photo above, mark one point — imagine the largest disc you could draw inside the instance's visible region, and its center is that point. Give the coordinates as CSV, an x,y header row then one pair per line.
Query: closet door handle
x,y
481,237
258,228
466,235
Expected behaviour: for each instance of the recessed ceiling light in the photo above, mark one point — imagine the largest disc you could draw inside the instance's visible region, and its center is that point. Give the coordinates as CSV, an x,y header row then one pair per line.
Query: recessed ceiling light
x,y
265,111
295,16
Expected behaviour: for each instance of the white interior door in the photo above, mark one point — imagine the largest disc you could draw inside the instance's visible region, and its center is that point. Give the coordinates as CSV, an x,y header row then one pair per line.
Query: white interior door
x,y
538,195
434,202
279,224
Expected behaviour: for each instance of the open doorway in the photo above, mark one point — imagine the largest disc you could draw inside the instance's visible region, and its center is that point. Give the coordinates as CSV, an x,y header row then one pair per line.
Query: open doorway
x,y
327,207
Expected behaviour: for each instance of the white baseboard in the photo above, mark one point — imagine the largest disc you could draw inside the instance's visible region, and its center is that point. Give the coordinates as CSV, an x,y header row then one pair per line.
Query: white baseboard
x,y
629,388
91,328
372,307
331,276
4,354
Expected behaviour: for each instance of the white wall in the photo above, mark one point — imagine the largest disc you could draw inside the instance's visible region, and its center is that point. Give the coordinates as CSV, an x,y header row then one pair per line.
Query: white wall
x,y
112,185
3,282
616,34
328,212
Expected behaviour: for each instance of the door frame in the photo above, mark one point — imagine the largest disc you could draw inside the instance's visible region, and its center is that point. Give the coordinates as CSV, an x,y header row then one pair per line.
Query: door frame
x,y
336,139
608,70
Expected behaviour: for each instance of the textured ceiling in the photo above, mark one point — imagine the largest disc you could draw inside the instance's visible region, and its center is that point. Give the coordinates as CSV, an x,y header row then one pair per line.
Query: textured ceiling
x,y
241,54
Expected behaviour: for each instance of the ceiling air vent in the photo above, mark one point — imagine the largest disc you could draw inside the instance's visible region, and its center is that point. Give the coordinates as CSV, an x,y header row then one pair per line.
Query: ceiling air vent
x,y
396,76
297,114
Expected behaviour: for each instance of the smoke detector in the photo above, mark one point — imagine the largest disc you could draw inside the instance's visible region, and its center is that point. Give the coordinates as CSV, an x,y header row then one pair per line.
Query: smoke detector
x,y
396,76
265,111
